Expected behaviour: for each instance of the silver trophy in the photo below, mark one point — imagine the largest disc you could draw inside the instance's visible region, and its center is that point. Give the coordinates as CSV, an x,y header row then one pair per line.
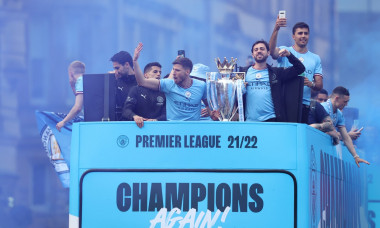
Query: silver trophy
x,y
222,89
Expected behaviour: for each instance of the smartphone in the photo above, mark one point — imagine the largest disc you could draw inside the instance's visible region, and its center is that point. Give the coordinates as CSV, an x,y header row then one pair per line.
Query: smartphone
x,y
181,53
281,14
355,125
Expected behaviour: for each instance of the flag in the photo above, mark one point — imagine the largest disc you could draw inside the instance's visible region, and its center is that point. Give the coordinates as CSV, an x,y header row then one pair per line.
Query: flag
x,y
56,144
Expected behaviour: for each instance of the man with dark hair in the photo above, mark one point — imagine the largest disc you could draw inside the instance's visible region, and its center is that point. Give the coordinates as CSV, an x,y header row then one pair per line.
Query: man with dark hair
x,y
264,98
122,64
125,79
260,42
185,63
153,68
321,96
183,94
145,104
333,106
313,74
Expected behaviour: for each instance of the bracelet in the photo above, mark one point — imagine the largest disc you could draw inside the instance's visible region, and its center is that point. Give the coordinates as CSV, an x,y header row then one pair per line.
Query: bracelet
x,y
356,156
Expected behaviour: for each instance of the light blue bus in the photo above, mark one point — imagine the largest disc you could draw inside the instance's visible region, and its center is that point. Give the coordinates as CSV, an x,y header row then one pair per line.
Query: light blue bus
x,y
212,174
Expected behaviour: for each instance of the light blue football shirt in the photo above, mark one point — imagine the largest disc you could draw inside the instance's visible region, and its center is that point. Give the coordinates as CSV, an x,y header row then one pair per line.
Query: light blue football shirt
x,y
259,103
312,63
337,117
79,85
183,104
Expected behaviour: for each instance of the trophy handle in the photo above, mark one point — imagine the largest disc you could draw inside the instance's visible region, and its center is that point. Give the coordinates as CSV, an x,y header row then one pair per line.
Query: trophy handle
x,y
212,107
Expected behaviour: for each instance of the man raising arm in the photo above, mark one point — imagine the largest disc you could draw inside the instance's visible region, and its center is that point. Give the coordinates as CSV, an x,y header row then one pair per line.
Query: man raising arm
x,y
313,78
183,94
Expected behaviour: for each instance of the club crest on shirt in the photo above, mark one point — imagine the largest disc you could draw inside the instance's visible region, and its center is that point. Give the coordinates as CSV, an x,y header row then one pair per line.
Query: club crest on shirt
x,y
301,59
187,94
258,76
160,99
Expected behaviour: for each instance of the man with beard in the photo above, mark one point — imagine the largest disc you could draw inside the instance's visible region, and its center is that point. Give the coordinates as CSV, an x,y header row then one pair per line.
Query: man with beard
x,y
312,62
333,106
125,79
144,104
264,97
183,94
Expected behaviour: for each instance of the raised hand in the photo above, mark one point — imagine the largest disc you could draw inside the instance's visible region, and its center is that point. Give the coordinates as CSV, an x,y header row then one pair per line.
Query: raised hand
x,y
280,22
138,49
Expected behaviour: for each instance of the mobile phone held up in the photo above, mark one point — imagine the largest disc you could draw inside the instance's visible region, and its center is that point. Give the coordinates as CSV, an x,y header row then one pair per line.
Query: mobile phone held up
x,y
281,14
181,53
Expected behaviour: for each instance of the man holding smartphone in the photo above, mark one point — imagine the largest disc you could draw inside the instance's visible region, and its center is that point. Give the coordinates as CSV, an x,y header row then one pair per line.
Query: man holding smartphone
x,y
181,53
322,96
333,106
313,78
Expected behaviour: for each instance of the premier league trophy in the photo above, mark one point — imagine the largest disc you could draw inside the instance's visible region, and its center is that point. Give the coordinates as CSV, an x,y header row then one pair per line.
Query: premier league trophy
x,y
222,89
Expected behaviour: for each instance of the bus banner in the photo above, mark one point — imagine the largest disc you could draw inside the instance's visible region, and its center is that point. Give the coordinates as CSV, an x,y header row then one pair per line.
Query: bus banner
x,y
187,198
